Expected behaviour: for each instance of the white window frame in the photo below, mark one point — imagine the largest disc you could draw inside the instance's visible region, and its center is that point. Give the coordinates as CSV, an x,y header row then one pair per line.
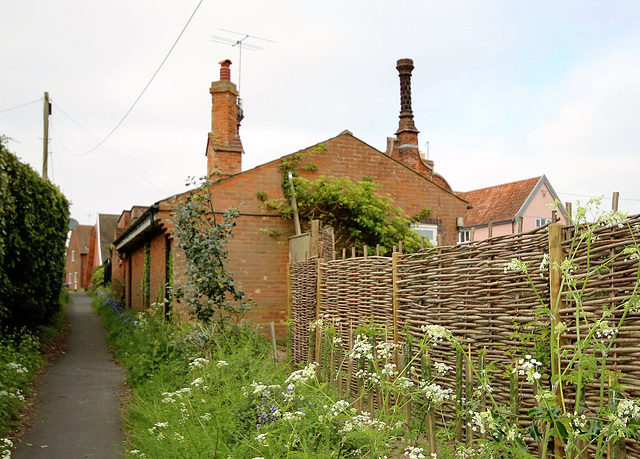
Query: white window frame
x,y
464,236
541,221
427,231
73,255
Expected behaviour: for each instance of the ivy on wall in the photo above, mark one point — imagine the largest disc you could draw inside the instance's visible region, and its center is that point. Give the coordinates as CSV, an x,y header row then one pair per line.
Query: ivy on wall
x,y
146,276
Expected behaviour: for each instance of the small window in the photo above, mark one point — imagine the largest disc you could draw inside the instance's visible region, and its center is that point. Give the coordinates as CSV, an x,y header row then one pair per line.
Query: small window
x,y
464,236
75,278
73,255
542,221
69,278
429,232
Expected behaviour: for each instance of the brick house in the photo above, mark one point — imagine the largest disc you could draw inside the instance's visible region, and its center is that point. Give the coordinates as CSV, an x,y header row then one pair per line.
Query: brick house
x,y
509,208
77,266
89,247
259,260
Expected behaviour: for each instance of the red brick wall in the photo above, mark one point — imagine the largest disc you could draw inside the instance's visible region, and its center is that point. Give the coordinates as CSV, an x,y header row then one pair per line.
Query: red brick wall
x,y
137,270
258,260
157,268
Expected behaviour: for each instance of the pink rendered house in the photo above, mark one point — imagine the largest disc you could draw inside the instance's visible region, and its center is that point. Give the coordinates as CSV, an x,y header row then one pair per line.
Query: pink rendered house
x,y
509,208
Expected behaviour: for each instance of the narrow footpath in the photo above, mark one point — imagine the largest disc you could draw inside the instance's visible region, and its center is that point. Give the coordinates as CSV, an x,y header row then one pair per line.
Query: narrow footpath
x,y
78,400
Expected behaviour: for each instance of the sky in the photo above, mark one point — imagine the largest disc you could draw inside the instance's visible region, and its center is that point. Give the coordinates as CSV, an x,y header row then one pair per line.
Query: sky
x,y
501,91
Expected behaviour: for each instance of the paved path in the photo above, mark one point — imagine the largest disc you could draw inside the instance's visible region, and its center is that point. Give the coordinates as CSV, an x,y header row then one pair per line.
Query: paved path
x,y
77,407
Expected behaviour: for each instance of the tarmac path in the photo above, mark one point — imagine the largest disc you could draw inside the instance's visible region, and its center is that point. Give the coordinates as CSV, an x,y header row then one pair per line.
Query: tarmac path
x,y
77,405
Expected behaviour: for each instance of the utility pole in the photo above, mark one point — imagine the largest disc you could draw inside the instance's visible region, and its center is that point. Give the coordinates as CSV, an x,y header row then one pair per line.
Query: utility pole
x,y
45,154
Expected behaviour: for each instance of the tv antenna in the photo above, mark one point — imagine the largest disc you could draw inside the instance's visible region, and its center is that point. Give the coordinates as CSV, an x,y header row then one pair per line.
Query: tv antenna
x,y
240,43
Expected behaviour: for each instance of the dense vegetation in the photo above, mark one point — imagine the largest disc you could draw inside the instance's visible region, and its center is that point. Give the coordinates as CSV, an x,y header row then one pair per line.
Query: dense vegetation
x,y
34,221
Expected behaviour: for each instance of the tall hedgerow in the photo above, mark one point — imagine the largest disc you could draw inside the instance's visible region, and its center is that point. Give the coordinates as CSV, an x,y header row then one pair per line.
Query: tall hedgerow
x,y
34,220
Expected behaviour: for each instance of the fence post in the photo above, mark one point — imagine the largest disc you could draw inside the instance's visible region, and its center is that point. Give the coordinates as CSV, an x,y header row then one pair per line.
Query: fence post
x,y
396,333
556,257
319,336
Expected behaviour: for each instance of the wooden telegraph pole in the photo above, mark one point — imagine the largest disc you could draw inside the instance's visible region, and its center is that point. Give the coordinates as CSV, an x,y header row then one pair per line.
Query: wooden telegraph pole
x,y
45,154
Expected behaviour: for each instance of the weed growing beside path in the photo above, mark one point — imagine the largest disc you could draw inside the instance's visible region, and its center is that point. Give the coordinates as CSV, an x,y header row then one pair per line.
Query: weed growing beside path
x,y
20,361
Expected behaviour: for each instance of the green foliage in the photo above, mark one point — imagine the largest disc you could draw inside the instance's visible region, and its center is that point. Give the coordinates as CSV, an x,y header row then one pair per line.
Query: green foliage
x,y
358,214
19,362
97,277
421,215
261,195
34,220
146,276
210,291
187,381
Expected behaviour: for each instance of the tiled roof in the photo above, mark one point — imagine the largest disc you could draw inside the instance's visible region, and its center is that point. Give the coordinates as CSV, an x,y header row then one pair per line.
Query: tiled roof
x,y
82,233
497,203
107,224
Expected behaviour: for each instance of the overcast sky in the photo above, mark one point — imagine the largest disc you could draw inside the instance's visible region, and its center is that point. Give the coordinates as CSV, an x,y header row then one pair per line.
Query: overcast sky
x,y
502,90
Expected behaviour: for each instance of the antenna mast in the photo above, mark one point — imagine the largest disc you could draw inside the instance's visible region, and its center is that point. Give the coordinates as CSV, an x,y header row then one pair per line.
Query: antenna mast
x,y
240,43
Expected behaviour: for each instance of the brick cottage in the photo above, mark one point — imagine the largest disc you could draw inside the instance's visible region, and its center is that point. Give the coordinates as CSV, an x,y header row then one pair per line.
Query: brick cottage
x,y
258,260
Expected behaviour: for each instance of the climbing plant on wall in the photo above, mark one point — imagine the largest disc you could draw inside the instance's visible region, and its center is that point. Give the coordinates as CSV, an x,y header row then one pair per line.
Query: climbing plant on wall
x,y
358,213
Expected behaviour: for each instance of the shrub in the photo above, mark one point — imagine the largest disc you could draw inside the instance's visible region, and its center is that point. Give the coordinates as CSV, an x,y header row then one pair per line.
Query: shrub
x,y
34,220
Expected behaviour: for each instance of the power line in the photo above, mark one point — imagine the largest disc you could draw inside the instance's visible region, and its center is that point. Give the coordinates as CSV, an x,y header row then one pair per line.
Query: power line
x,y
147,85
21,105
165,188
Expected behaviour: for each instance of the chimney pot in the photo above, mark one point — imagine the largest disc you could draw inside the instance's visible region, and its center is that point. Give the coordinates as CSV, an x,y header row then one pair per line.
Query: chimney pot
x,y
225,70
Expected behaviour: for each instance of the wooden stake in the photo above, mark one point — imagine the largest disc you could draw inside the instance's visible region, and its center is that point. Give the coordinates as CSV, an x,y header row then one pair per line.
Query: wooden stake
x,y
273,342
556,256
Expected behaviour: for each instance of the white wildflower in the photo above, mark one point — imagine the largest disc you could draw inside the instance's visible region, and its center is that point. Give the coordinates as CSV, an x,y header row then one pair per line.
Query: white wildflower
x,y
385,350
605,331
441,368
529,367
199,363
262,439
304,375
389,370
17,367
631,252
436,333
362,347
404,382
414,452
435,394
515,265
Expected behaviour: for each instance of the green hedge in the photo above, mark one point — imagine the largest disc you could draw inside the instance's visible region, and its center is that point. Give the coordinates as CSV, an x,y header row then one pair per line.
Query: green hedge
x,y
34,221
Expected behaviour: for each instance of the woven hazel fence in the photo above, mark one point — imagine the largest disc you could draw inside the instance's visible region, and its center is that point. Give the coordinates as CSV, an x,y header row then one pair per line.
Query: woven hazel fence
x,y
466,289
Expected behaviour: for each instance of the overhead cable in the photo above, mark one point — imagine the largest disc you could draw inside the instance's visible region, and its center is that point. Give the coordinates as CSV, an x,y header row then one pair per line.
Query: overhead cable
x,y
21,105
147,85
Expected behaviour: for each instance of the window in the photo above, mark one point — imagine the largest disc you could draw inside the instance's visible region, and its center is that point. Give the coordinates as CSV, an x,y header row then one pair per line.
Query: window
x,y
542,221
73,255
69,278
429,232
464,236
75,278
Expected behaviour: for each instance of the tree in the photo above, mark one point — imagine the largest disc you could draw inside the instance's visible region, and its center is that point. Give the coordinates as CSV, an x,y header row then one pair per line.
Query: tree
x,y
210,292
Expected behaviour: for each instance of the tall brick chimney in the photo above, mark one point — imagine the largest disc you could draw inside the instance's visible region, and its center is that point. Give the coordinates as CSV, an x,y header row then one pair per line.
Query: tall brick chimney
x,y
224,147
405,147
